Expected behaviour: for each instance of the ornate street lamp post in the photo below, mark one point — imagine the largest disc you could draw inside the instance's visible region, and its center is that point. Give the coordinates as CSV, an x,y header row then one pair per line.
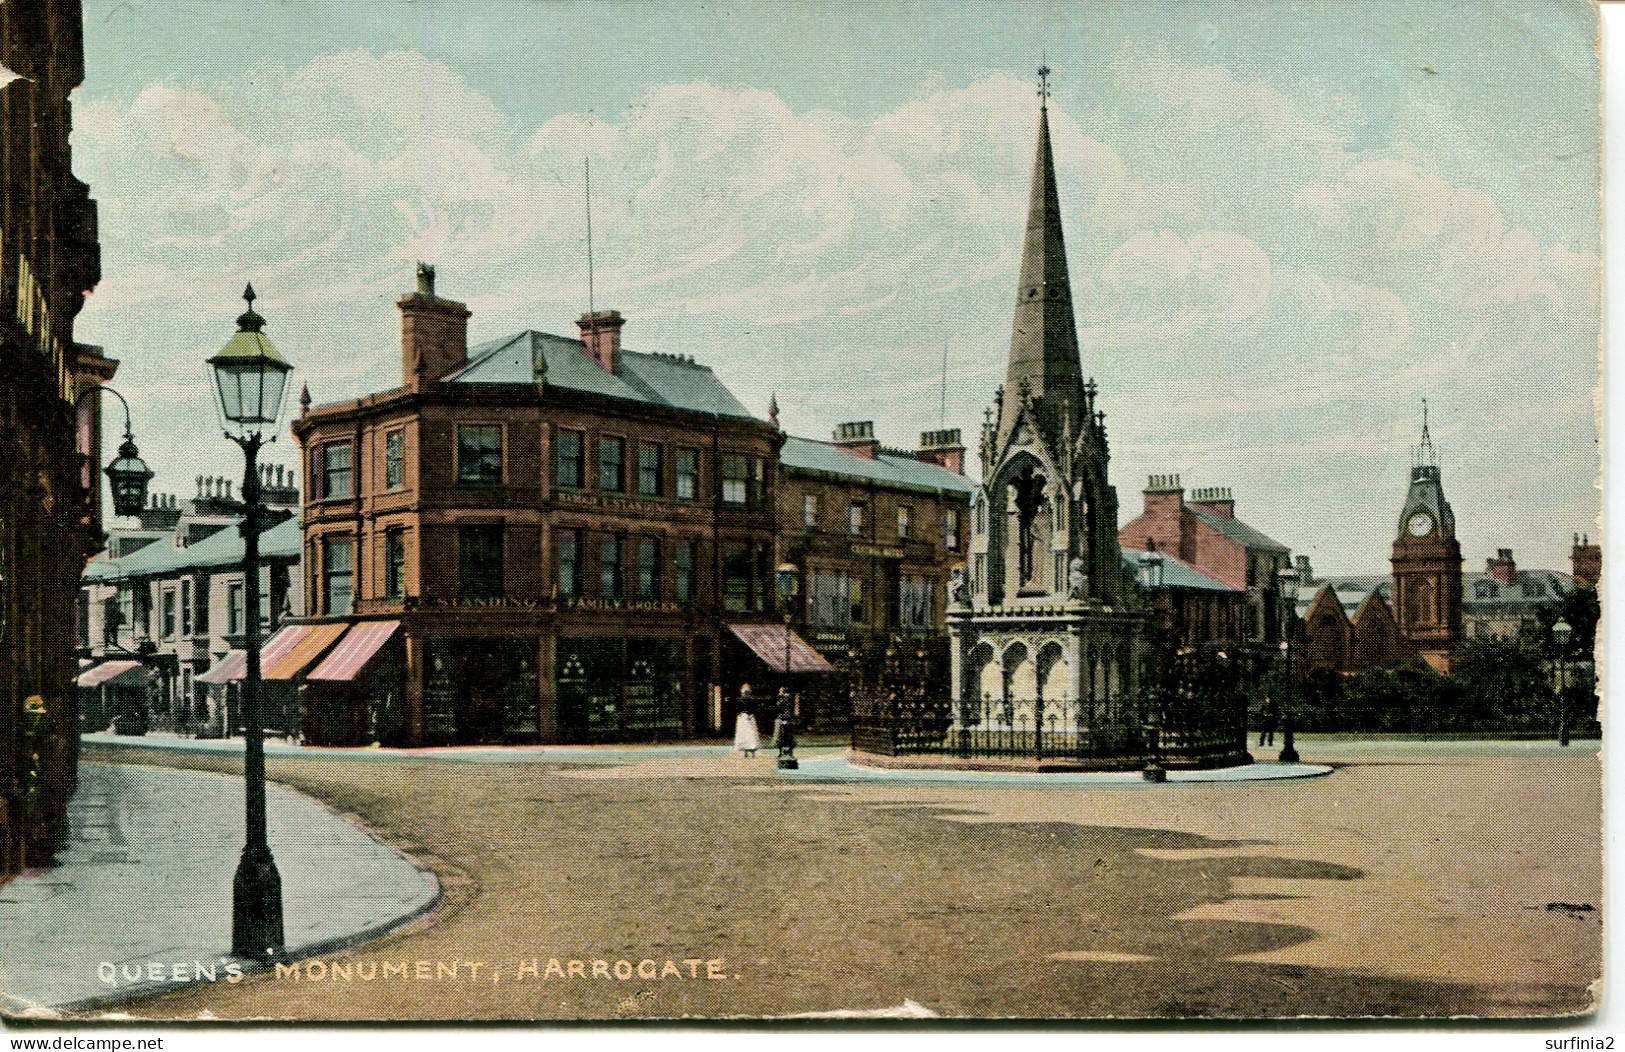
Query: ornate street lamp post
x,y
249,378
128,474
1561,633
1150,572
785,733
1289,583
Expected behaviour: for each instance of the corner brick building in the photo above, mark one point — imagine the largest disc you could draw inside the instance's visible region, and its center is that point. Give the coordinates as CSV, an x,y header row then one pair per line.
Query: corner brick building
x,y
541,538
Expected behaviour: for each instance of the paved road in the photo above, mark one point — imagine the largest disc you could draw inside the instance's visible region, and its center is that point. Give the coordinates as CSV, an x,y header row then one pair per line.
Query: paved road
x,y
1416,879
146,881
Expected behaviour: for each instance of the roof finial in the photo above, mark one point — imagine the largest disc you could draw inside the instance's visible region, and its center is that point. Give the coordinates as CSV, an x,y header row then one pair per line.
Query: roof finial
x,y
773,409
250,320
1424,453
1043,85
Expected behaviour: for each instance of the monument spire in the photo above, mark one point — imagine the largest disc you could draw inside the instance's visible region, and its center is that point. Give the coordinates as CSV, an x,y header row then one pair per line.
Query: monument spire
x,y
1043,340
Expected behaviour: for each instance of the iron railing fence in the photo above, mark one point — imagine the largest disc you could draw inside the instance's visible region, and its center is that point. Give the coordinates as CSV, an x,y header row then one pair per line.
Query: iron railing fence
x,y
1177,728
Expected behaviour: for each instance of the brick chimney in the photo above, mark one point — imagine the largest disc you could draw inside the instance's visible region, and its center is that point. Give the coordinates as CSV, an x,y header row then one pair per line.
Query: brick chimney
x,y
1502,567
1160,526
942,448
1585,562
601,337
1215,500
434,333
1306,572
1164,496
858,439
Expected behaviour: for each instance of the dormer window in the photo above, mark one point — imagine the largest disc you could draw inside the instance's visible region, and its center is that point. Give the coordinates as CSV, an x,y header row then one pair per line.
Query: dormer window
x,y
1486,590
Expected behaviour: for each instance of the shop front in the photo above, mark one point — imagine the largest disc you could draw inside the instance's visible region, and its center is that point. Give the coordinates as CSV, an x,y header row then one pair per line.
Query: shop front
x,y
620,688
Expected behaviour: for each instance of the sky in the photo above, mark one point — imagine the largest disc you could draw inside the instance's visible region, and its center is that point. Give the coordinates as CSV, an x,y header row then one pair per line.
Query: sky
x,y
1287,223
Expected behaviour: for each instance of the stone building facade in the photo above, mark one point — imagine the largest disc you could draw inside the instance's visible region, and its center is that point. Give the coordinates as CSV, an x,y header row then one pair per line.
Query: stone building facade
x,y
1047,613
541,538
49,261
162,617
876,535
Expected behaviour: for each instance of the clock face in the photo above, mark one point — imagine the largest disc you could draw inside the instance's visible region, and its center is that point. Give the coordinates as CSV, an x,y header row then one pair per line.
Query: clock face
x,y
1420,524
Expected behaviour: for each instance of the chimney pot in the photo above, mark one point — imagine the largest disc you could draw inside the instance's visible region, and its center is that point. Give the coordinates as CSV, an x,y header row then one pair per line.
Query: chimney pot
x,y
434,335
601,338
943,448
857,438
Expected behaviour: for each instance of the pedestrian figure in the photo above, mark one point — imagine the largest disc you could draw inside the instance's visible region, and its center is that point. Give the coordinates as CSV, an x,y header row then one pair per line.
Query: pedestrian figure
x,y
747,738
784,733
1271,715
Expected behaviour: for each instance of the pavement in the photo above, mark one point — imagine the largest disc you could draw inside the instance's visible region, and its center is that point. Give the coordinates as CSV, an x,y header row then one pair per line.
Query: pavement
x,y
141,899
505,754
818,764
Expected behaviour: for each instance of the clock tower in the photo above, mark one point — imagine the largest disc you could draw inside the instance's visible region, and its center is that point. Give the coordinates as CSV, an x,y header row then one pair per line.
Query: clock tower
x,y
1427,562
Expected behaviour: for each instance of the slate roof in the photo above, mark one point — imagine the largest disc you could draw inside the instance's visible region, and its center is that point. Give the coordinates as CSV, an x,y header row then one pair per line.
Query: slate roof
x,y
224,548
1351,591
653,379
1177,573
1237,530
810,455
1553,585
1532,588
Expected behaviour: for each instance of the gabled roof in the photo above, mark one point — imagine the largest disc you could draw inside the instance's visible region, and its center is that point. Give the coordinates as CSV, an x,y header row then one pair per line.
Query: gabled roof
x,y
1324,598
808,454
1351,591
1374,605
1237,530
1177,573
653,379
224,548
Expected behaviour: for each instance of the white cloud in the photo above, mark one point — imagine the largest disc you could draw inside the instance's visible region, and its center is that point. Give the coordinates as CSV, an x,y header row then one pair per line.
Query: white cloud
x,y
1237,265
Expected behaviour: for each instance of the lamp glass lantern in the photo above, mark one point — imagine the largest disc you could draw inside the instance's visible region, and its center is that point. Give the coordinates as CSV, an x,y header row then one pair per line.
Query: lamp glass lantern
x,y
128,476
1150,571
1289,583
789,578
1561,634
249,374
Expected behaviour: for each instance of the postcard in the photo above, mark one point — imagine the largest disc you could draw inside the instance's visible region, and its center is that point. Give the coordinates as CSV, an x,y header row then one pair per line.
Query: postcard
x,y
553,512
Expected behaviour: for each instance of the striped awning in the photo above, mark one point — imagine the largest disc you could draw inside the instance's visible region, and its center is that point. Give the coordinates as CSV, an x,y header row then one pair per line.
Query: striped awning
x,y
277,647
310,645
355,650
773,643
228,669
106,672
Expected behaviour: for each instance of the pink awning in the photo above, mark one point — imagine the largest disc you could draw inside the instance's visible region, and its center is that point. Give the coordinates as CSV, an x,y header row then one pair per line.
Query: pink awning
x,y
355,650
106,672
228,669
773,642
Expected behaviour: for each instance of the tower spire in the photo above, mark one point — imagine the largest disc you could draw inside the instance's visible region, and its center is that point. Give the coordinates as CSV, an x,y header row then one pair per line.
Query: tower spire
x,y
1425,454
1043,340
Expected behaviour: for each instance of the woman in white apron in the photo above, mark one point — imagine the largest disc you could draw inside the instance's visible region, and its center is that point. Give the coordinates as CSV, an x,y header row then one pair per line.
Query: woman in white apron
x,y
747,739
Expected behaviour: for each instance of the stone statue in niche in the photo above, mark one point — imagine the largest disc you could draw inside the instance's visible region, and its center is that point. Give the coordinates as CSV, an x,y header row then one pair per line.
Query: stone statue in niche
x,y
1077,582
